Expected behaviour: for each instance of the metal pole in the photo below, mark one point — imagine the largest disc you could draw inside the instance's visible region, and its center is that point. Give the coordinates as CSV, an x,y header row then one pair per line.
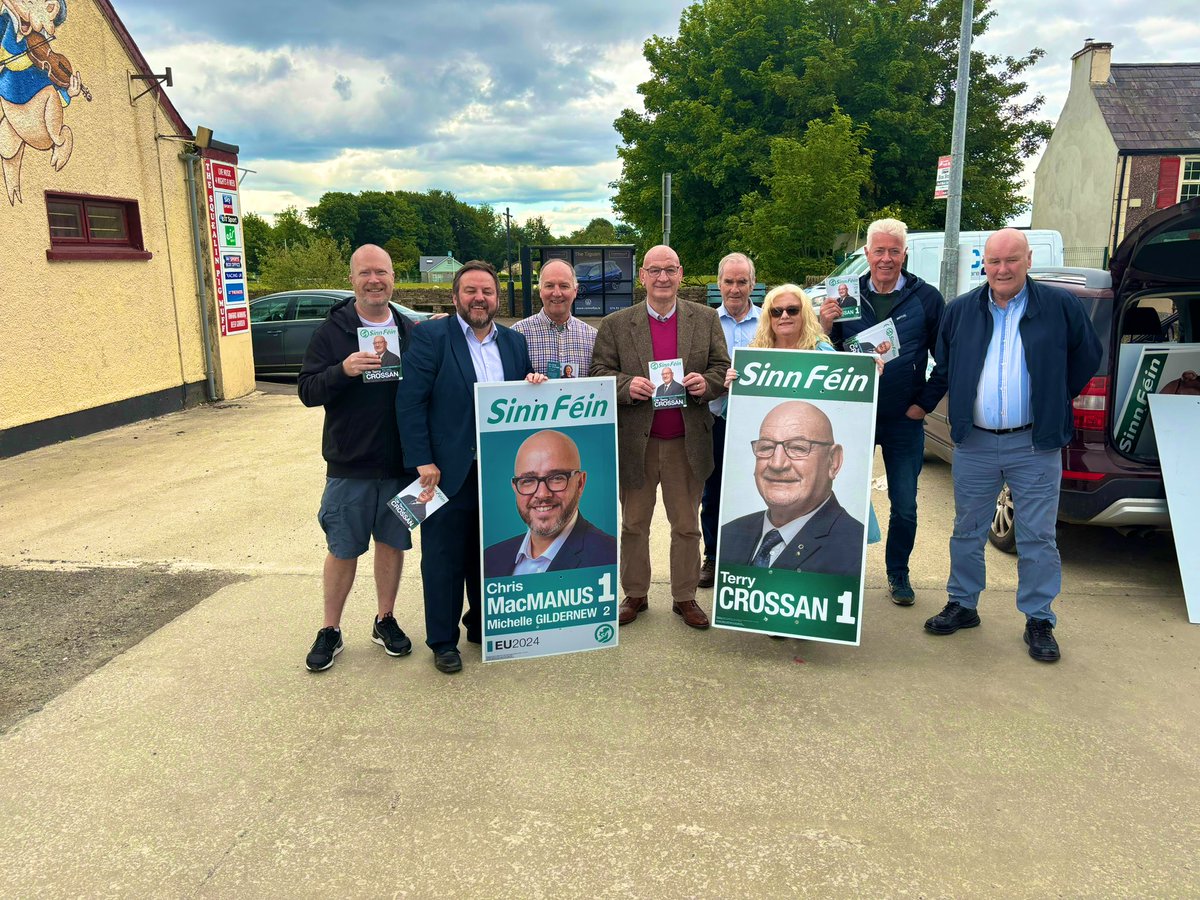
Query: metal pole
x,y
957,151
512,300
666,206
190,159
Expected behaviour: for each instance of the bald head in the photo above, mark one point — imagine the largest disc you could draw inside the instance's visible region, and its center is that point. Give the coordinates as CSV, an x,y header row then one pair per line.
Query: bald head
x,y
796,460
1006,260
373,280
548,484
552,446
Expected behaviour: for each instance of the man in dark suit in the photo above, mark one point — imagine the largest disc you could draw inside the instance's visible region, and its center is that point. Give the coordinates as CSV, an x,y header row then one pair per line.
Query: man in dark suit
x,y
803,528
548,485
669,387
435,413
671,447
387,359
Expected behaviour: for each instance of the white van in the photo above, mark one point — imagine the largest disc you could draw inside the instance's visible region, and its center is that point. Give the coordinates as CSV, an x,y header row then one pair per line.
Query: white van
x,y
925,257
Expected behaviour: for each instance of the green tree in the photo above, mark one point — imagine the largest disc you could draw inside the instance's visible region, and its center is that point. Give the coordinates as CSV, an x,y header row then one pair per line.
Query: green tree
x,y
597,231
336,214
319,262
290,229
744,72
257,234
405,258
814,189
535,232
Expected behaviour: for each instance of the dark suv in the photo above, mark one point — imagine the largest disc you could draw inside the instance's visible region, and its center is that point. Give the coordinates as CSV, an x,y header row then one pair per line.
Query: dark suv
x,y
1149,295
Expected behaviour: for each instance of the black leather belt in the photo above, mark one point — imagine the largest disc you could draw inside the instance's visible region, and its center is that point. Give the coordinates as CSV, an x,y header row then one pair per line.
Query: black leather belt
x,y
1005,430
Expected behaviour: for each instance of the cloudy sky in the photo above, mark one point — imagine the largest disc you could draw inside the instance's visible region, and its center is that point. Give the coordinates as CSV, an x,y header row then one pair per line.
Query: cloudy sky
x,y
510,104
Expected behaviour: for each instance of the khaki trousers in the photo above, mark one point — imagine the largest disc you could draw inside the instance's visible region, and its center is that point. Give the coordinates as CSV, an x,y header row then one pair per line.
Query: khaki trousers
x,y
666,464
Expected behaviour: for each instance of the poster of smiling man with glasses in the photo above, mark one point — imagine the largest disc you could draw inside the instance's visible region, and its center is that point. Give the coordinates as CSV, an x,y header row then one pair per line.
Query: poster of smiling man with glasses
x,y
548,515
795,493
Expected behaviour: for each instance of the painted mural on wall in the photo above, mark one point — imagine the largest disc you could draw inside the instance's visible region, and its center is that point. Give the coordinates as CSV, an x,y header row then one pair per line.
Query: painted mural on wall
x,y
36,85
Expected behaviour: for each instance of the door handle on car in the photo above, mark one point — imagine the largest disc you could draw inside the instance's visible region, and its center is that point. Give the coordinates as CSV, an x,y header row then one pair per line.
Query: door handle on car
x,y
277,331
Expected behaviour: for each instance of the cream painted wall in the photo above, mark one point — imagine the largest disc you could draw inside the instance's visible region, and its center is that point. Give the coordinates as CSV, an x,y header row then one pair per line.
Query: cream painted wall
x,y
80,334
1076,179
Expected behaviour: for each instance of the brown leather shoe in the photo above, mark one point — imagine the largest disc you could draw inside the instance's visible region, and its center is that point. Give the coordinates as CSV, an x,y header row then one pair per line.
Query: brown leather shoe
x,y
629,609
692,614
708,574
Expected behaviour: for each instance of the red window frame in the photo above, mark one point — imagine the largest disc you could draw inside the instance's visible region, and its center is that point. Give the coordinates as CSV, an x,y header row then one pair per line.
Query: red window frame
x,y
88,246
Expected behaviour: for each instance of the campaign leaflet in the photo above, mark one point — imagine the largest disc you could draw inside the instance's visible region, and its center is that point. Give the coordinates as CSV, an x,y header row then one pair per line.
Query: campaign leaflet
x,y
667,377
844,289
383,342
1159,369
795,494
870,339
547,516
410,510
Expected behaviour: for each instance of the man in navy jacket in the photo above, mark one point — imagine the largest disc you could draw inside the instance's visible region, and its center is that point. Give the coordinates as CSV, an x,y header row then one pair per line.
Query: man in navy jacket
x,y
1013,354
435,413
888,291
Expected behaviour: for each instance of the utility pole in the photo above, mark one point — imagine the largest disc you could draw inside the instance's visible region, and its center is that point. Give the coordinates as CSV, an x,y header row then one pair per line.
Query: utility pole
x,y
512,300
666,208
957,151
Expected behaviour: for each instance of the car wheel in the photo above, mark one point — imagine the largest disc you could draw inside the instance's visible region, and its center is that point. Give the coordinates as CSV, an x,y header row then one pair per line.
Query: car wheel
x,y
1003,533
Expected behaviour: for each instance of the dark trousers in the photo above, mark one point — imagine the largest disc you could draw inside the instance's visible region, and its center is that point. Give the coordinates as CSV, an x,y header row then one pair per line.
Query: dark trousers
x,y
903,444
710,502
450,561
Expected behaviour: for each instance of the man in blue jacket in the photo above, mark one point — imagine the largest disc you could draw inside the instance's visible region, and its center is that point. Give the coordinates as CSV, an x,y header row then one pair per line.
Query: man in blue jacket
x,y
435,413
1013,354
888,291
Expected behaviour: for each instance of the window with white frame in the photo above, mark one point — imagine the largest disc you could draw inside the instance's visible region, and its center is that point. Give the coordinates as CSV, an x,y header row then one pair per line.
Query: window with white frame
x,y
1189,183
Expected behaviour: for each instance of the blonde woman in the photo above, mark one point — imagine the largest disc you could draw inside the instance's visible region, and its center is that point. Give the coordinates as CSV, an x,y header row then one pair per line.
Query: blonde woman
x,y
787,322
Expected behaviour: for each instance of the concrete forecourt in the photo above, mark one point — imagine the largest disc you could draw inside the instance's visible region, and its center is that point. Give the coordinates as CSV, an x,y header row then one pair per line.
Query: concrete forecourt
x,y
205,761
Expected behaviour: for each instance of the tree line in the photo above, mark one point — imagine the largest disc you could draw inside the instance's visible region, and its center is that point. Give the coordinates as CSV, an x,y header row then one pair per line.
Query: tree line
x,y
787,123
311,248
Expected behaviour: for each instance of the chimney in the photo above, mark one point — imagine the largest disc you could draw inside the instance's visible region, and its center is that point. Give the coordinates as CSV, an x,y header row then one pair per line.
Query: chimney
x,y
1097,57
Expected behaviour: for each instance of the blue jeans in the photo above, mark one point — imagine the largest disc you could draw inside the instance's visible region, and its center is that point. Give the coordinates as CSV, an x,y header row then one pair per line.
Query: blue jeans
x,y
710,501
982,464
903,445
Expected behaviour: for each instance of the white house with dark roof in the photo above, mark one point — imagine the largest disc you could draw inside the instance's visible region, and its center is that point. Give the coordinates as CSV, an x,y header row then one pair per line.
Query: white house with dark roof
x,y
1126,144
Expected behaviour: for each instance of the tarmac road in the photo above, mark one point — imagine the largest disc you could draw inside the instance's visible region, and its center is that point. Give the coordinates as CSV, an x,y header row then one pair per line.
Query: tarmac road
x,y
205,761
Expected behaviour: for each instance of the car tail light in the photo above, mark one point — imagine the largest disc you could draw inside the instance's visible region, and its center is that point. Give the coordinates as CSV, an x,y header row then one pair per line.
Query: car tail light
x,y
1091,406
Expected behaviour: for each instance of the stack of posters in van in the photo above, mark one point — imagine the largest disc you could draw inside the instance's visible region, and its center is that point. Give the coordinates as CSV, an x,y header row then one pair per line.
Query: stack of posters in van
x,y
384,343
1147,369
795,494
548,516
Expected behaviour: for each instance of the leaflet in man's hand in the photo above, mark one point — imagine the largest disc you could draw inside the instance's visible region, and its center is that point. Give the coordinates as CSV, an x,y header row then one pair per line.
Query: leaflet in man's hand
x,y
410,510
844,289
383,342
667,377
869,339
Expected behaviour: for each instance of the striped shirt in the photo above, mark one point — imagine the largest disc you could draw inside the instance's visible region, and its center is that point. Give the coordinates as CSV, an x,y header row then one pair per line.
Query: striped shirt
x,y
1002,398
568,345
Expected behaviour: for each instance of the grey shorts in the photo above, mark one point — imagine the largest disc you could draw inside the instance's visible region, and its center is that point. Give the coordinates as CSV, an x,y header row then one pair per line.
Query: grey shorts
x,y
354,509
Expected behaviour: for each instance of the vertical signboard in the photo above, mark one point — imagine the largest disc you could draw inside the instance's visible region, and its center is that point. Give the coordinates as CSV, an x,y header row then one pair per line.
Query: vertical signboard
x,y
941,187
548,516
795,494
227,245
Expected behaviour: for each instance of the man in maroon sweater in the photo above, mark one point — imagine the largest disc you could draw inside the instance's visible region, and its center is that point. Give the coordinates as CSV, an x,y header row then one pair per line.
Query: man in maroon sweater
x,y
671,447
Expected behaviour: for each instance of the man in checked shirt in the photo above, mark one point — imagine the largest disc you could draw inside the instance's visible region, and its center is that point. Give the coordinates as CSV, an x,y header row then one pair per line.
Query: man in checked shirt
x,y
557,340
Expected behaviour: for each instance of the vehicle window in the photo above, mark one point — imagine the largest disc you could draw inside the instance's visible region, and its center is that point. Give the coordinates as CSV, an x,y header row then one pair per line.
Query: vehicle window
x,y
270,309
313,307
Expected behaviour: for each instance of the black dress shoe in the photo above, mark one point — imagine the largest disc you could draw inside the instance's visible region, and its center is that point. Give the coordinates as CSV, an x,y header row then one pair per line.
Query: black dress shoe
x,y
952,618
708,574
1039,635
447,661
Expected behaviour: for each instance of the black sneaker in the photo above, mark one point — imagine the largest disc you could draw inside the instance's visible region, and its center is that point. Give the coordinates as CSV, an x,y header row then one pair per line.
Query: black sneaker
x,y
387,633
952,618
901,590
1039,635
708,573
327,645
